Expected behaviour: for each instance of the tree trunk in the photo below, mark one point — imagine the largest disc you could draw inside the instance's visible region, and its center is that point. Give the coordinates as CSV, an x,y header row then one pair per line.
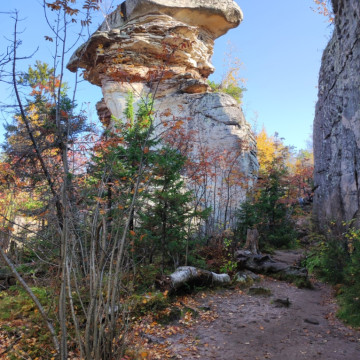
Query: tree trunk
x,y
252,241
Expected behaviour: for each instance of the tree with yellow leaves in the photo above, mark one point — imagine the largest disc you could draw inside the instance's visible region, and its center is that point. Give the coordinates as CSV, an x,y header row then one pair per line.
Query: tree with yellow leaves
x,y
231,83
269,203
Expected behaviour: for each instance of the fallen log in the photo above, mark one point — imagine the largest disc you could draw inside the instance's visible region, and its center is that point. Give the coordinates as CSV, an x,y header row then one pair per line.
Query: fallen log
x,y
264,264
187,277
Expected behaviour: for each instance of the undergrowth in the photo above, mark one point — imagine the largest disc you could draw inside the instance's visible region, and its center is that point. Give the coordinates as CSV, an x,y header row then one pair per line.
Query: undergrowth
x,y
336,260
19,319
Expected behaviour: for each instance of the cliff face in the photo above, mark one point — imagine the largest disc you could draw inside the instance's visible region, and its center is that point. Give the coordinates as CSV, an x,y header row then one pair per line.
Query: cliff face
x,y
164,47
337,121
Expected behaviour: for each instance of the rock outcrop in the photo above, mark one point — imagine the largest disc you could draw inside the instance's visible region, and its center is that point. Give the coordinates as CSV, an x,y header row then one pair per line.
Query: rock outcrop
x,y
337,121
164,47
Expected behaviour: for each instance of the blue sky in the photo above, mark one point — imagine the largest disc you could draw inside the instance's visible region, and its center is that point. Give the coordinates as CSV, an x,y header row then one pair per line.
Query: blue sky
x,y
280,44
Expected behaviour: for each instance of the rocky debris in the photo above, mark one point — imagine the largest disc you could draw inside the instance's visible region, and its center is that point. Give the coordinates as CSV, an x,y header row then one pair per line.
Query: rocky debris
x,y
186,277
164,47
265,264
337,117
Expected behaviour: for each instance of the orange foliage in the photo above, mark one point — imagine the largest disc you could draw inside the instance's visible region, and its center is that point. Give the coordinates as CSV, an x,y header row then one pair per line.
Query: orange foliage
x,y
324,8
215,174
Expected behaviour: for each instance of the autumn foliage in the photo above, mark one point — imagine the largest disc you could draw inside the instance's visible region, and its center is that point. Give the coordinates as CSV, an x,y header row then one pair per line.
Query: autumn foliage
x,y
324,8
284,183
96,217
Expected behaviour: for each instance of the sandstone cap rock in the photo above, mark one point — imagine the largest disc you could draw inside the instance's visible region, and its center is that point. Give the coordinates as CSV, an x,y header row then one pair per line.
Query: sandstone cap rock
x,y
216,17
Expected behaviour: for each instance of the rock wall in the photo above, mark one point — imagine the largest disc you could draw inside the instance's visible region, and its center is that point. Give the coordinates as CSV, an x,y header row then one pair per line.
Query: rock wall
x,y
337,121
164,47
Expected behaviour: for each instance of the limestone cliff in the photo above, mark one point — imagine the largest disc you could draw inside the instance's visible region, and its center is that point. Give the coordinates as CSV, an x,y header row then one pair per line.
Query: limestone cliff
x,y
337,121
164,47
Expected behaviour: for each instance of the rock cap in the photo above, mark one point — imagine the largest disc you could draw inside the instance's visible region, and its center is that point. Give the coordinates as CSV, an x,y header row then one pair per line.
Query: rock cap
x,y
217,16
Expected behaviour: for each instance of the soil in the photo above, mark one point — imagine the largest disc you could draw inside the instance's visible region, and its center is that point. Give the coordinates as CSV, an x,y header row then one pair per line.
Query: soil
x,y
288,324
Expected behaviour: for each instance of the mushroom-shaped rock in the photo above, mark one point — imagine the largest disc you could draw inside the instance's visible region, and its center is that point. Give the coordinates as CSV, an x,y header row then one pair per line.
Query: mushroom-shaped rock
x,y
142,35
164,47
217,16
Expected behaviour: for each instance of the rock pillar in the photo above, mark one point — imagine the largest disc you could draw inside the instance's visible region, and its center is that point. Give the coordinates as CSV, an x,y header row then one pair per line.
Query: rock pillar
x,y
164,47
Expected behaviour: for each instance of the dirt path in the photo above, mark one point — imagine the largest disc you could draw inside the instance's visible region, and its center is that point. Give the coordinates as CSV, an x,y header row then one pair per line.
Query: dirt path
x,y
253,327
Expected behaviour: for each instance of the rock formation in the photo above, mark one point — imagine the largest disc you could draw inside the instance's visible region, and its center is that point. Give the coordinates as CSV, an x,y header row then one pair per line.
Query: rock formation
x,y
164,47
337,121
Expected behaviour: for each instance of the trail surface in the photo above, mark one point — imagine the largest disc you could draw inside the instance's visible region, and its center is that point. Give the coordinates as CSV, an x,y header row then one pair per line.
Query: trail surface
x,y
253,327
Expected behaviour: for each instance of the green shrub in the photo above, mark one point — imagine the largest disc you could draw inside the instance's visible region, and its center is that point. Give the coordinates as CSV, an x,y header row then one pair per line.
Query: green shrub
x,y
15,302
349,302
146,276
231,89
337,261
350,297
146,303
334,261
